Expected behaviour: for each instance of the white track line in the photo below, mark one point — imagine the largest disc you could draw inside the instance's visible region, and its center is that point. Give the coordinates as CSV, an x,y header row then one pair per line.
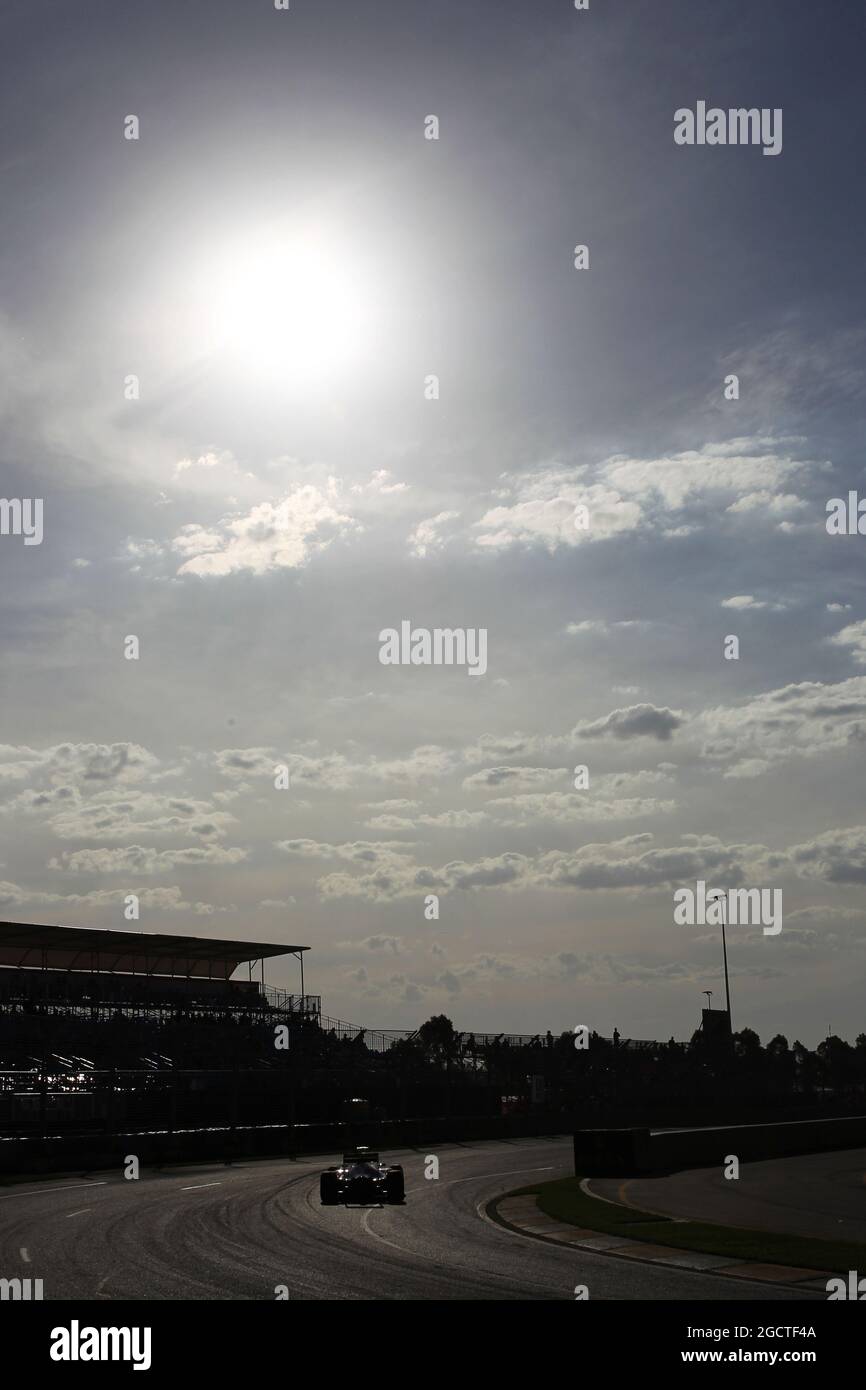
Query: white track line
x,y
588,1192
476,1177
80,1212
197,1185
630,1206
40,1191
512,1173
366,1217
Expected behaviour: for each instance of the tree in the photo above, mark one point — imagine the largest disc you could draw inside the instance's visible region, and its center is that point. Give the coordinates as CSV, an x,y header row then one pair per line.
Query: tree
x,y
438,1038
747,1043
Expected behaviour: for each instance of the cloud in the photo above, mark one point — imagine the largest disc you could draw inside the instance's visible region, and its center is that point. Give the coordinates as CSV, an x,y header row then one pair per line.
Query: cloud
x,y
330,770
210,459
601,627
543,509
400,803
459,819
513,777
449,982
629,863
805,719
635,721
355,851
837,856
673,495
66,772
773,504
391,944
853,636
380,483
246,762
746,602
486,873
823,914
427,536
138,814
565,807
793,367
152,899
282,535
139,859
751,466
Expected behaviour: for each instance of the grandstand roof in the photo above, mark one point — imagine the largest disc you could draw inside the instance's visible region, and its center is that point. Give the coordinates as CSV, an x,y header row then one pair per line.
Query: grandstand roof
x,y
138,952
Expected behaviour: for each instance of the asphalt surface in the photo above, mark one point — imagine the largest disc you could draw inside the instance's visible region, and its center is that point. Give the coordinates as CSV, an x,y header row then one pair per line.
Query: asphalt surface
x,y
239,1232
818,1195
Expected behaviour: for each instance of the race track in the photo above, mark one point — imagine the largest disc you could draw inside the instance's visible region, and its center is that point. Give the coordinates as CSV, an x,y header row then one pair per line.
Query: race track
x,y
238,1232
821,1195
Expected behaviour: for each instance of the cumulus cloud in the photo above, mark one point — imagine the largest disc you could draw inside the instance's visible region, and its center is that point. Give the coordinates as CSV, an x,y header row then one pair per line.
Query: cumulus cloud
x,y
746,602
601,627
542,508
381,942
210,459
459,819
355,851
853,636
565,807
805,719
673,495
635,721
629,864
837,856
168,899
754,467
140,859
329,770
281,535
517,778
107,818
427,537
91,765
380,483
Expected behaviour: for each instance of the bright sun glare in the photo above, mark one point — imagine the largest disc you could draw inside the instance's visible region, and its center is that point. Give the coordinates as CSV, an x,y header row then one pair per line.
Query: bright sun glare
x,y
285,305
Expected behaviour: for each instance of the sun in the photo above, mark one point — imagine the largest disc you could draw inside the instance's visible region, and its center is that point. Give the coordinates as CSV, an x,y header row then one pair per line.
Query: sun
x,y
286,303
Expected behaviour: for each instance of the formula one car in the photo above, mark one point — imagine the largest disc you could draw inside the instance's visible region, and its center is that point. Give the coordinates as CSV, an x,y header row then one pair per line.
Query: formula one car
x,y
362,1178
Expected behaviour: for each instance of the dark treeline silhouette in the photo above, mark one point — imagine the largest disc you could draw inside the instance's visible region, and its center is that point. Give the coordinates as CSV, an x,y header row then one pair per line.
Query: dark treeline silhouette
x,y
437,1071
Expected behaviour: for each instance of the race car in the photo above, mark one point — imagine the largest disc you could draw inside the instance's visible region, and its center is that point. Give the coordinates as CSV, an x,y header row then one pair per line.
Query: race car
x,y
362,1178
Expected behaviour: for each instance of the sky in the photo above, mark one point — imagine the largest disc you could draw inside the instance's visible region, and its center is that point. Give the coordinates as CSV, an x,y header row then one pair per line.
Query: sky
x,y
286,373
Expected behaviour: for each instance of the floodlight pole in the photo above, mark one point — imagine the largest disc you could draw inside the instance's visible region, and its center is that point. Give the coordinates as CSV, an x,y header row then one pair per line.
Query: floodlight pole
x,y
725,958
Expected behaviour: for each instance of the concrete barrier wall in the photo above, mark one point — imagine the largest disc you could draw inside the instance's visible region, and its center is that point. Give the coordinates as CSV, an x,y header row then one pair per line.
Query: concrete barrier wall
x,y
602,1153
87,1152
696,1148
619,1152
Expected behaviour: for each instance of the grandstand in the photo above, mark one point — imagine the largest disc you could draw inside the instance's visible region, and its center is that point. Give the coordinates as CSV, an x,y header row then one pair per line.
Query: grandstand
x,y
115,998
119,1032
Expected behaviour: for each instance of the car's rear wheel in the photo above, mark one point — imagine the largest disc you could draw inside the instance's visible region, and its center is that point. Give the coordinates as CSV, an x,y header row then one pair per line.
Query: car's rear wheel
x,y
395,1185
328,1189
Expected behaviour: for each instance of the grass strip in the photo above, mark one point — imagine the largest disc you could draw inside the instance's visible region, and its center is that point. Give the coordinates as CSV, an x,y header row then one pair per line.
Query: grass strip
x,y
563,1200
